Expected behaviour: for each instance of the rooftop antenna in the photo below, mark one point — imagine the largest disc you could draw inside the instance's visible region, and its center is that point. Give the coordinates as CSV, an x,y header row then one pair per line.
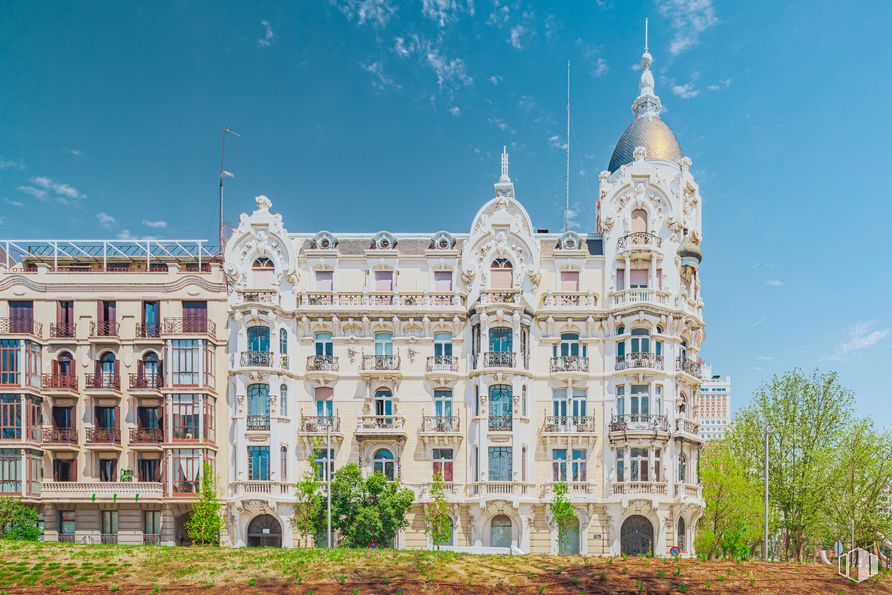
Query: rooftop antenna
x,y
224,174
645,34
567,205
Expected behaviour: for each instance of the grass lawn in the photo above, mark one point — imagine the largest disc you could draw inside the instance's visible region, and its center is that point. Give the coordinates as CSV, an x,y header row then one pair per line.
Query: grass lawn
x,y
52,567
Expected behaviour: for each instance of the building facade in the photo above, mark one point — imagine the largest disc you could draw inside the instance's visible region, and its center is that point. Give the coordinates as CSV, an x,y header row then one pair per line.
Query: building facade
x,y
714,410
501,358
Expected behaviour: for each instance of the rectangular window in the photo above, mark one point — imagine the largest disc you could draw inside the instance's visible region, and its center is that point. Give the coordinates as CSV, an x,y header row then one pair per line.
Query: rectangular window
x,y
500,463
559,464
9,362
148,469
187,463
443,463
195,317
64,470
34,367
640,400
151,324
258,463
324,345
578,465
384,281
443,281
21,317
183,358
210,369
185,416
67,522
620,464
638,279
620,279
210,418
570,281
657,473
151,522
443,403
324,281
10,417
108,469
109,522
320,459
639,464
10,471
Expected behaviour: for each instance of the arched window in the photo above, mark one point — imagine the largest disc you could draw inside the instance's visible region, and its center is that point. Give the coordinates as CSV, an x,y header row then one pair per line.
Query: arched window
x,y
283,341
620,330
682,468
263,273
283,462
500,531
258,338
108,368
149,370
639,221
64,365
501,274
324,403
569,345
283,400
682,535
384,463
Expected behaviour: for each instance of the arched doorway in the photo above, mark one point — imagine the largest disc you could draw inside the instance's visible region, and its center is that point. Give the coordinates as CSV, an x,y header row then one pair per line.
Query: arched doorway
x,y
637,536
681,536
570,543
264,531
500,531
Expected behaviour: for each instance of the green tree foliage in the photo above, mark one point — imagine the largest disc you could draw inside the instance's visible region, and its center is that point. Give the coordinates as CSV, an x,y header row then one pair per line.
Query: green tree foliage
x,y
861,477
563,514
206,521
18,521
732,516
309,501
438,523
366,510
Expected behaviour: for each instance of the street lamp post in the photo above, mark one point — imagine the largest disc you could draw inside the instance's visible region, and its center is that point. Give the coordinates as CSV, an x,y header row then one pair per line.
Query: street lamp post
x,y
328,475
765,540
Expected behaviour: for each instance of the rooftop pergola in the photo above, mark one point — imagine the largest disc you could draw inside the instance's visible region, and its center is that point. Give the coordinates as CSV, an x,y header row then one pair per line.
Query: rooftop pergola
x,y
16,254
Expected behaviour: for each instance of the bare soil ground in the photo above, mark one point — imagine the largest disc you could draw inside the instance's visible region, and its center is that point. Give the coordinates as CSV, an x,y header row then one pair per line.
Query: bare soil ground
x,y
51,568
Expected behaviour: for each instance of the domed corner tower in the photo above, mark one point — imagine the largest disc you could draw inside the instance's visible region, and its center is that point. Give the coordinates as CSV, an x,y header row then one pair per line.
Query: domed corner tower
x,y
648,211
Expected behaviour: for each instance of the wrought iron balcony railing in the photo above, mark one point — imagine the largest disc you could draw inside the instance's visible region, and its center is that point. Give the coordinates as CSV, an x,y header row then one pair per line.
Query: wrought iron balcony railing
x,y
103,435
639,421
440,424
61,330
496,359
258,423
59,436
59,381
500,422
148,331
639,238
257,359
320,424
146,381
569,363
106,380
20,326
639,360
442,363
146,435
105,328
322,363
688,366
189,326
381,362
569,423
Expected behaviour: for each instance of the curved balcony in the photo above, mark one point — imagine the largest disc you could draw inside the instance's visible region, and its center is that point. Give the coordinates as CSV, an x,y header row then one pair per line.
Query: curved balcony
x,y
323,367
639,488
558,429
688,490
494,361
441,429
639,240
380,365
569,366
441,366
59,384
638,361
503,297
644,425
105,331
688,429
256,359
631,297
20,326
380,426
688,366
63,330
265,297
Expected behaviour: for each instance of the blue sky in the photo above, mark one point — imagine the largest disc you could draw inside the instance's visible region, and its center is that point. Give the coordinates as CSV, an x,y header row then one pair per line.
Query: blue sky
x,y
360,115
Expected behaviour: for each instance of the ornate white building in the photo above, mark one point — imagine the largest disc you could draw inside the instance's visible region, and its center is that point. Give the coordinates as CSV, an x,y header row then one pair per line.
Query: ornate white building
x,y
504,359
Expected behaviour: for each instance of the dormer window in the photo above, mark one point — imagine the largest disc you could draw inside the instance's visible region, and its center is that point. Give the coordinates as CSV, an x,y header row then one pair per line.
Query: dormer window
x,y
442,240
501,274
383,240
569,240
324,240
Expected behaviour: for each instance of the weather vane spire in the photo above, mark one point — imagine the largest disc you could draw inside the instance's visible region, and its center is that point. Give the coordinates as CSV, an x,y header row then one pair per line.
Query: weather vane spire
x,y
504,177
645,34
647,103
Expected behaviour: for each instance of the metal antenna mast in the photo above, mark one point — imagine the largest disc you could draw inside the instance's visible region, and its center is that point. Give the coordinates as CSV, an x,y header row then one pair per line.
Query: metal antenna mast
x,y
223,174
567,205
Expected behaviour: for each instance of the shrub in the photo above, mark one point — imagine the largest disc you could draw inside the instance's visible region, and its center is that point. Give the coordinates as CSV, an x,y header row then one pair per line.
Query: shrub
x,y
18,521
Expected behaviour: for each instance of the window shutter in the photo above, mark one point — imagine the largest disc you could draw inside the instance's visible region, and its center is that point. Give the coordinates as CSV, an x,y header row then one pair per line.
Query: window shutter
x,y
443,281
639,277
55,367
98,368
501,278
111,312
72,467
570,281
324,280
383,281
620,279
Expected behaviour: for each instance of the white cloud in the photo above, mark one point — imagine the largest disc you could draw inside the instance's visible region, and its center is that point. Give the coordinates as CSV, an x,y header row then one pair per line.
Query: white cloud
x,y
158,224
124,234
268,36
444,11
556,142
600,68
59,188
455,111
13,203
688,20
75,152
774,283
686,91
722,84
35,192
860,336
450,72
400,47
11,163
106,220
526,103
552,26
517,33
495,79
375,12
380,80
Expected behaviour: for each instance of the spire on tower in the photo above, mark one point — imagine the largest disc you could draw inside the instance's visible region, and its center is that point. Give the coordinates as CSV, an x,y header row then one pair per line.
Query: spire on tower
x,y
647,103
504,187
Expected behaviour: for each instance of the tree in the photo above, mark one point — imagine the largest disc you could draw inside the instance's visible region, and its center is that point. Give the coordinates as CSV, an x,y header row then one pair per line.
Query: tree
x,y
808,416
309,501
438,523
366,510
861,476
18,521
563,514
732,517
206,521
